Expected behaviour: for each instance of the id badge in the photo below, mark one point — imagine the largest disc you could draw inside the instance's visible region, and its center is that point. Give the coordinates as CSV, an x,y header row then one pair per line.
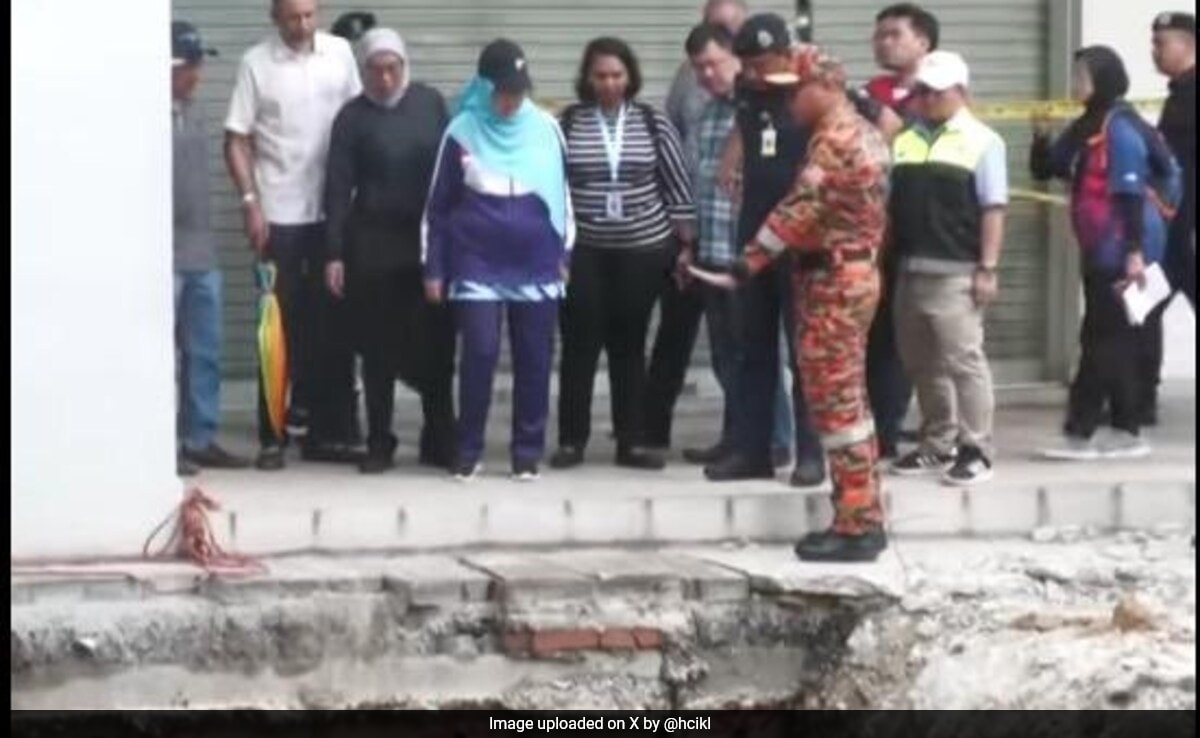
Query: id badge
x,y
769,139
613,207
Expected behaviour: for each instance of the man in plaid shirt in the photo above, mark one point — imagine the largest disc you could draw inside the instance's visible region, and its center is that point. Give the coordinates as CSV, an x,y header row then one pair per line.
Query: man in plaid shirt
x,y
710,48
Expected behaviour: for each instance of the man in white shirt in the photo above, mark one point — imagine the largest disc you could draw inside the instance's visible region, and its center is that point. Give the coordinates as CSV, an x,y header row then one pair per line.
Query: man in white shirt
x,y
289,89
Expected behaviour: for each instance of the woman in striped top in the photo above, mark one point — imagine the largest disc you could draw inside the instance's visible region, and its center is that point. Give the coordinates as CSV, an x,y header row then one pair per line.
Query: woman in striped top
x,y
633,206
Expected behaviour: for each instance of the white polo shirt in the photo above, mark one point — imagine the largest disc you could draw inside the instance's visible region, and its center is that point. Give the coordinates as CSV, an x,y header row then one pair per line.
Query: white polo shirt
x,y
286,101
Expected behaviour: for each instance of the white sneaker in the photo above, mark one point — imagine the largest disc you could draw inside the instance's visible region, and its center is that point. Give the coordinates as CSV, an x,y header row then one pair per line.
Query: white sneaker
x,y
465,474
1073,448
1123,445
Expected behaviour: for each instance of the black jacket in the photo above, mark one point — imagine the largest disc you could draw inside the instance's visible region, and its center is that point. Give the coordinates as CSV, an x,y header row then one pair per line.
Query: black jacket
x,y
381,162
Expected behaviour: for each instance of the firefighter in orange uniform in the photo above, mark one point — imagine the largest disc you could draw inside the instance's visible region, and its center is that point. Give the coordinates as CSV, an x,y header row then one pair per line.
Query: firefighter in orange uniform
x,y
833,219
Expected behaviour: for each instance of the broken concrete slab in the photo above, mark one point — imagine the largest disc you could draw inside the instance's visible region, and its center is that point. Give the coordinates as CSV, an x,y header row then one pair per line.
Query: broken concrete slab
x,y
524,579
435,581
774,570
619,572
293,576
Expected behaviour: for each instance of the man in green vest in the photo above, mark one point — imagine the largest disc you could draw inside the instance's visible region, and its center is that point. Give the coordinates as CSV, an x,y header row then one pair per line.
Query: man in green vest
x,y
947,207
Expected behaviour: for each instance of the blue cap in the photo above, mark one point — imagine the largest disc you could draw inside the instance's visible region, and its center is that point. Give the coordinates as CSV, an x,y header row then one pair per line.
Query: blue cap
x,y
186,46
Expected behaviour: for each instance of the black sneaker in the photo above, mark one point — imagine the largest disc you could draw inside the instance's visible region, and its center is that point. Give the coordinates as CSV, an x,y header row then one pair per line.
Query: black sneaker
x,y
567,457
922,462
641,459
330,453
269,458
525,471
215,457
809,473
838,547
465,472
376,464
703,456
297,422
185,468
737,469
970,468
781,457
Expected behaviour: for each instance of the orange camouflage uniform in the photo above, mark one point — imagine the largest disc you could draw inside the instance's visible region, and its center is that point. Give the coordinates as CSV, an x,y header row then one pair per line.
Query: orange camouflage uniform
x,y
834,219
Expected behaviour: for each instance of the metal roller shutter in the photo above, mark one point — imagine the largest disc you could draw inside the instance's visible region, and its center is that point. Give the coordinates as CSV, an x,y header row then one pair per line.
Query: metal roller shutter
x,y
1006,45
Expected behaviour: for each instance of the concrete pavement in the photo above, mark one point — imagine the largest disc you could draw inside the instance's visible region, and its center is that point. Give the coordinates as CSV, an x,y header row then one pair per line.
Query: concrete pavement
x,y
324,507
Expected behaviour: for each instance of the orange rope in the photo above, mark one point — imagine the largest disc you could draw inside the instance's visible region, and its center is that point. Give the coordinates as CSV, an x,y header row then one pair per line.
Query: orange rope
x,y
192,538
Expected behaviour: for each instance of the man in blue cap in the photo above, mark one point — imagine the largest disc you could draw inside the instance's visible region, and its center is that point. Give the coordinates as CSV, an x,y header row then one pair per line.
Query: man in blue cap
x,y
197,277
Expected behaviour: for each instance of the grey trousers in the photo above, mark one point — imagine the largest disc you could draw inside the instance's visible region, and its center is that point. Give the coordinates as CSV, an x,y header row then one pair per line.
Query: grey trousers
x,y
939,334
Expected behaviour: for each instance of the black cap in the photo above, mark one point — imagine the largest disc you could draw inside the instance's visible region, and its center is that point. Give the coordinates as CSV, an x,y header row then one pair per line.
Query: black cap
x,y
503,64
1185,22
186,46
351,26
761,34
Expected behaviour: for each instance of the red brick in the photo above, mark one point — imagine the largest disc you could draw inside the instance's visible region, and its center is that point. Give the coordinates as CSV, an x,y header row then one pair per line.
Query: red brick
x,y
648,638
618,640
518,642
546,642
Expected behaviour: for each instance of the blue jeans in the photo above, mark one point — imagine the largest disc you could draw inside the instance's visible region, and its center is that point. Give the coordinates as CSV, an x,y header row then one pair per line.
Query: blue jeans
x,y
198,339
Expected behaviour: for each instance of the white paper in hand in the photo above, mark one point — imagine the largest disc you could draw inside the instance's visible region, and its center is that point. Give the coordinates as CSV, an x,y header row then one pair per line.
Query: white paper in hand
x,y
1140,300
716,279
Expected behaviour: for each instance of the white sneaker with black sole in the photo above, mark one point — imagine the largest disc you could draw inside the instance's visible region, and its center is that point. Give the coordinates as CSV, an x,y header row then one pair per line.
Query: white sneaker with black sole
x,y
1073,448
1123,445
920,463
465,473
970,468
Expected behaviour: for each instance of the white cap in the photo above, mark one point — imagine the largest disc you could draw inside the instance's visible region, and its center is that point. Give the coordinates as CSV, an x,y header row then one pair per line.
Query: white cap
x,y
941,70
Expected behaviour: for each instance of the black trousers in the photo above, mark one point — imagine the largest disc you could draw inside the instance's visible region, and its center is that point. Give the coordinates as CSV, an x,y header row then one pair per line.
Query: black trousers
x,y
611,294
320,352
1107,372
888,386
401,336
1180,267
679,324
765,303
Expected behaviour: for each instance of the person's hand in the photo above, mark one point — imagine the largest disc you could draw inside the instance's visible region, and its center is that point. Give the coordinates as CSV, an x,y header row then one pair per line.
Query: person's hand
x,y
1135,270
682,263
1041,122
720,281
335,278
256,227
985,287
434,291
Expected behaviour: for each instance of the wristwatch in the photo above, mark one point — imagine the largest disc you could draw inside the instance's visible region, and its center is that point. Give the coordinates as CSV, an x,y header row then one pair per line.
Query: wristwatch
x,y
985,269
249,197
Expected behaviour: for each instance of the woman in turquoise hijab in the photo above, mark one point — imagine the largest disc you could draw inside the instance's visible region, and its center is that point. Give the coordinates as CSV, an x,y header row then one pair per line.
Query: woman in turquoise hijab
x,y
497,233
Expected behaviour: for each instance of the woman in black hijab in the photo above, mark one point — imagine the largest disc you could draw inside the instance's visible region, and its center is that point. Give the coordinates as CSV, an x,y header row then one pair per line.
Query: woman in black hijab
x,y
1122,177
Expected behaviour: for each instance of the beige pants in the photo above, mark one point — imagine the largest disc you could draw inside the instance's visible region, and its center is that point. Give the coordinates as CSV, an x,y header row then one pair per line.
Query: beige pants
x,y
939,334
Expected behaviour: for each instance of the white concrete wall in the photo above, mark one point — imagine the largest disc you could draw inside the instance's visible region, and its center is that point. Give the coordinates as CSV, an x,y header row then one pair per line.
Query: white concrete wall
x,y
92,394
1125,26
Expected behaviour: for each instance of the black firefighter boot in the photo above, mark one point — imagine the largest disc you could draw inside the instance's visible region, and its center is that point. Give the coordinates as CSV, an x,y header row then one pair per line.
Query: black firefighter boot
x,y
832,546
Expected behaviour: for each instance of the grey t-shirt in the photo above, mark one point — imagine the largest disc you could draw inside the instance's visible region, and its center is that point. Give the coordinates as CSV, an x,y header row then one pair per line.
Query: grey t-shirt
x,y
194,245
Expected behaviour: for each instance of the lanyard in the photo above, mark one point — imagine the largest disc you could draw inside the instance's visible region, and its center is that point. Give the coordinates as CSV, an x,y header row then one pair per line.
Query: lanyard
x,y
613,143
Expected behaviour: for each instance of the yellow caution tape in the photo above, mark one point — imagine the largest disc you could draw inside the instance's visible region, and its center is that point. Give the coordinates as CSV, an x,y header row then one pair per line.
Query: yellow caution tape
x,y
1046,198
994,111
1053,109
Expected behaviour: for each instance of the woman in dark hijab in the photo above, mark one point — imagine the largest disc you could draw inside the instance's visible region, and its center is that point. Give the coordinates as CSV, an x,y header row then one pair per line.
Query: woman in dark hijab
x,y
1122,182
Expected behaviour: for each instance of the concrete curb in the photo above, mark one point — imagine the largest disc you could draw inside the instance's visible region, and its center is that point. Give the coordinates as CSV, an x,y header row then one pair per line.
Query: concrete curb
x,y
494,521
